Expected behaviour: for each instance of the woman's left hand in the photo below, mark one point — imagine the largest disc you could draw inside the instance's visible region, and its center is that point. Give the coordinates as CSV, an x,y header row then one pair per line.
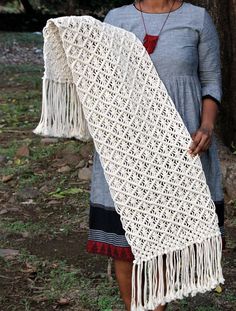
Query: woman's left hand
x,y
201,140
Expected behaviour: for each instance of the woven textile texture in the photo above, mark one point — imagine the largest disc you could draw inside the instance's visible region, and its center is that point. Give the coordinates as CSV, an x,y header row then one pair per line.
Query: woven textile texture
x,y
100,84
189,41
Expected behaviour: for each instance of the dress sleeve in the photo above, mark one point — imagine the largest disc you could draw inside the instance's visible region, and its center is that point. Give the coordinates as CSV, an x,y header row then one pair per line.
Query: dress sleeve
x,y
209,60
108,18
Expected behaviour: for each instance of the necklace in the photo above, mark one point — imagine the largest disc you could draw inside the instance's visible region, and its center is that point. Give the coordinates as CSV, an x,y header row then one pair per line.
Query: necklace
x,y
150,41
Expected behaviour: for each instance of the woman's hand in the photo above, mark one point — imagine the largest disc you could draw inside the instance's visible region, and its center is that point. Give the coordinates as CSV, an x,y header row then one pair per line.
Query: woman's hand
x,y
203,136
201,140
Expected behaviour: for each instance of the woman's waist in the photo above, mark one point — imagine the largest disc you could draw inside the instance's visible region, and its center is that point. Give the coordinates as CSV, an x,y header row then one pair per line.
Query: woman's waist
x,y
176,77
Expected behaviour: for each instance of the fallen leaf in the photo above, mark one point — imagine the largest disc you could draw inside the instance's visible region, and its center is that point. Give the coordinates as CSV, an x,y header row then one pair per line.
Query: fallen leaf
x,y
63,301
23,151
54,265
62,193
40,299
30,201
8,253
7,178
218,289
18,161
64,169
29,268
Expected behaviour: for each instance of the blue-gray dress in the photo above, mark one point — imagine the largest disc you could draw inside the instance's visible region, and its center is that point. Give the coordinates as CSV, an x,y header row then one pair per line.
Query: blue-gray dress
x,y
187,59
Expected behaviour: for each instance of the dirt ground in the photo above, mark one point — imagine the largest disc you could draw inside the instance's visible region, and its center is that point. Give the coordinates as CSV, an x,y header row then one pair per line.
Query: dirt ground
x,y
44,207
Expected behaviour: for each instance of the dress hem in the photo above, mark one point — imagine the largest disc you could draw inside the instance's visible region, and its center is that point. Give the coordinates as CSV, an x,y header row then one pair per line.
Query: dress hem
x,y
116,252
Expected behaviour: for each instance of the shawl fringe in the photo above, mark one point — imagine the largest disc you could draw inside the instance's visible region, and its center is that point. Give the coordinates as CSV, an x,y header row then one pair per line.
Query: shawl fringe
x,y
117,97
62,114
177,274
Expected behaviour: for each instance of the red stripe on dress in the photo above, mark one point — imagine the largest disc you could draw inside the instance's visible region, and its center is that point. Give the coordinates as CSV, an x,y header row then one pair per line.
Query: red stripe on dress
x,y
116,252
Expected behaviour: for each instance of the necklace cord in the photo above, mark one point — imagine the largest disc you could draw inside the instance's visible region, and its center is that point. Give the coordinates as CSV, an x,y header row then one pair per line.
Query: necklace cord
x,y
139,2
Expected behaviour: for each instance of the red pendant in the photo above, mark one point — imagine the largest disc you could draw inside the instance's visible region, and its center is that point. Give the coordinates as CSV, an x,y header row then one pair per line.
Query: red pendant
x,y
150,42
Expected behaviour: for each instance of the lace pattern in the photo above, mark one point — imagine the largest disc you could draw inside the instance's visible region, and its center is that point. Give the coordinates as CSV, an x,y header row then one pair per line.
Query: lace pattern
x,y
100,83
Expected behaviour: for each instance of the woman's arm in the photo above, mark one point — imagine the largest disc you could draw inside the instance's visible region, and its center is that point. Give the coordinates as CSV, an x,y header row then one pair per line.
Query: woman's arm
x,y
210,79
202,138
209,113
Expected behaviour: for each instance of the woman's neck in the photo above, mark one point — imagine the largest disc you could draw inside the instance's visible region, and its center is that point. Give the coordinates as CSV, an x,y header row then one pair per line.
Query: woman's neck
x,y
157,6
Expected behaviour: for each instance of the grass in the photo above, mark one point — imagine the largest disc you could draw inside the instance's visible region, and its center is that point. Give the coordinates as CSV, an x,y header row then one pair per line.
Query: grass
x,y
61,280
19,226
21,38
10,151
91,295
21,96
39,151
22,167
206,308
101,294
233,147
11,7
59,193
230,297
20,106
25,75
186,307
63,225
25,303
57,279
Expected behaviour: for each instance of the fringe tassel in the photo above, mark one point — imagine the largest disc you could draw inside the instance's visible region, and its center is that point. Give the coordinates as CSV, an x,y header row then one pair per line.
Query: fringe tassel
x,y
194,269
62,114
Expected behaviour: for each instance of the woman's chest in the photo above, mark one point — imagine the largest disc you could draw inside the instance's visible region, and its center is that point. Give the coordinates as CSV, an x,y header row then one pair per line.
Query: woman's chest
x,y
176,52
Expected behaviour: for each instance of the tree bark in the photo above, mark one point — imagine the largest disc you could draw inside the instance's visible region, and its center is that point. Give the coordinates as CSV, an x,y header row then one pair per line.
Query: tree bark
x,y
231,87
224,16
71,7
27,7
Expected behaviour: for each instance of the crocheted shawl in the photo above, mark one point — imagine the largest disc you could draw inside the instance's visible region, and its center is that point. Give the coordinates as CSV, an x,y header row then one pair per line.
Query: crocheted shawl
x,y
100,83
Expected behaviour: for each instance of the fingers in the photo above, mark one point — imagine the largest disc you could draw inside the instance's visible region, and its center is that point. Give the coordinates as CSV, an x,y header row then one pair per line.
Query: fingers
x,y
202,146
197,137
201,142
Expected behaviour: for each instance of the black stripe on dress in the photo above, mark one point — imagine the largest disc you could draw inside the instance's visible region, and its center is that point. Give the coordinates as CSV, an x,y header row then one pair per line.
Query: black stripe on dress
x,y
104,219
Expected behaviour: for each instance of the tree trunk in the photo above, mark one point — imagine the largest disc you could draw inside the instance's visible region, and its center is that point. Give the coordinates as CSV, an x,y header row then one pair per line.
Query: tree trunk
x,y
71,7
27,7
224,15
231,87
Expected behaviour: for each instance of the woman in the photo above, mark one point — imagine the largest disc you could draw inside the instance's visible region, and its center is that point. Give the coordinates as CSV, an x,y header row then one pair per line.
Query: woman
x,y
187,59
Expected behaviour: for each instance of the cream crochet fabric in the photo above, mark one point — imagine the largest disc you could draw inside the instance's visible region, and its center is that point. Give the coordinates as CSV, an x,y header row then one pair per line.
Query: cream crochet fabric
x,y
101,84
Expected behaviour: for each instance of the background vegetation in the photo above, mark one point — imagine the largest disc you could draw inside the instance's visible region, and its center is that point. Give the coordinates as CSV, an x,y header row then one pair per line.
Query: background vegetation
x,y
32,15
45,182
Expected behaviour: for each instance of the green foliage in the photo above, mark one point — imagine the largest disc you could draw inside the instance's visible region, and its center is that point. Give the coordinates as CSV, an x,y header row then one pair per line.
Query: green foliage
x,y
233,147
102,295
62,279
206,308
230,297
8,39
10,151
64,7
57,279
59,193
108,296
10,6
20,106
22,167
19,226
25,304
